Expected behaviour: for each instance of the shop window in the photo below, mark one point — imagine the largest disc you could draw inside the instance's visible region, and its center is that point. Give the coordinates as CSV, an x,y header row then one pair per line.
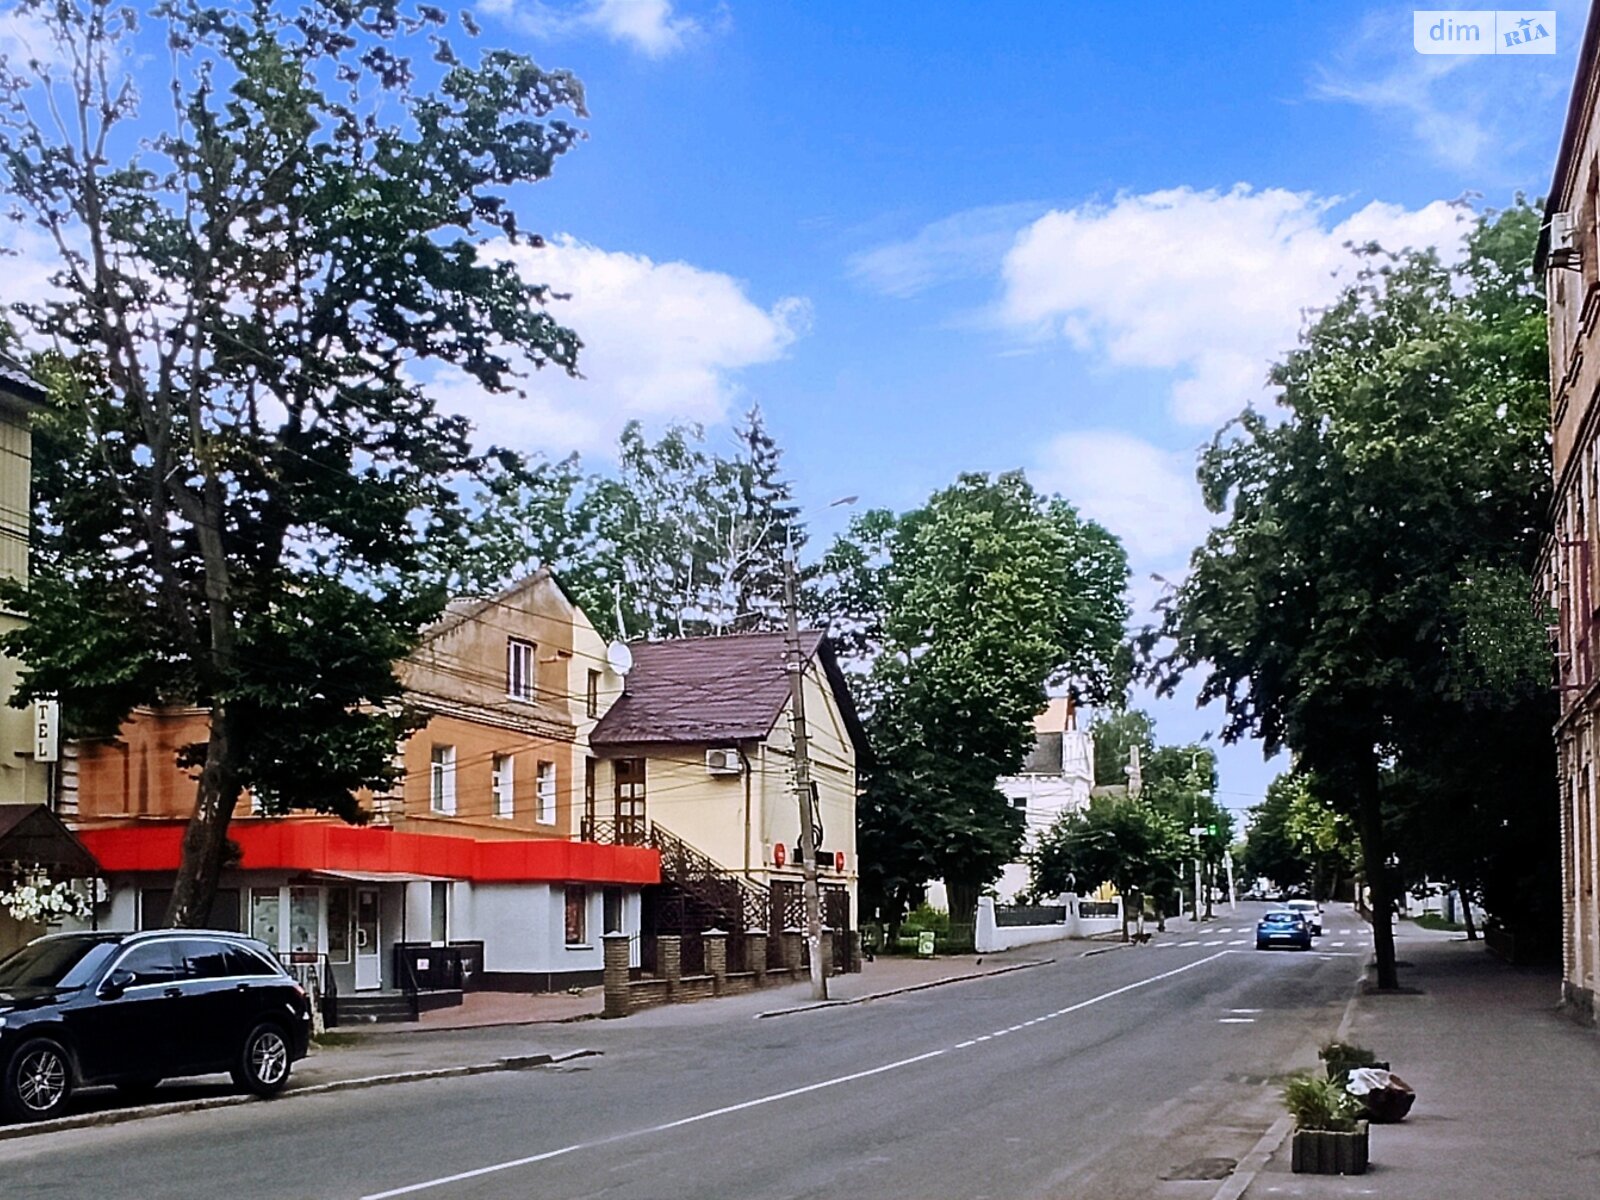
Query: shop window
x,y
577,915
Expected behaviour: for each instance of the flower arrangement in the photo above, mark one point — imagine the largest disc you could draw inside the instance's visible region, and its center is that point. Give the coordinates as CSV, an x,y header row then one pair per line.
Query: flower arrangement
x,y
36,899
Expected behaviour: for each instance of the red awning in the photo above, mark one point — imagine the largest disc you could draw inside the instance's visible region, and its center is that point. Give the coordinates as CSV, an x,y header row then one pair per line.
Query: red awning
x,y
311,845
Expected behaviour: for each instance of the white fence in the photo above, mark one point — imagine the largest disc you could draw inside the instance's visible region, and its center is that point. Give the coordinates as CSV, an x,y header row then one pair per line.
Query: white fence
x,y
991,936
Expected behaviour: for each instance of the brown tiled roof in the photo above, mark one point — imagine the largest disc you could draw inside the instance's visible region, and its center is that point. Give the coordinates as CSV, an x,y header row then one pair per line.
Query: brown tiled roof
x,y
712,689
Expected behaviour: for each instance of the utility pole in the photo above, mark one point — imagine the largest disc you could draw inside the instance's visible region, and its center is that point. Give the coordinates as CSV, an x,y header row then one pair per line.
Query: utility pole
x,y
802,786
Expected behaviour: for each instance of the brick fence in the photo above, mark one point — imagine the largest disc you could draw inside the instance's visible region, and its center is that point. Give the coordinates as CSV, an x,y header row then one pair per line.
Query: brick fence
x,y
624,995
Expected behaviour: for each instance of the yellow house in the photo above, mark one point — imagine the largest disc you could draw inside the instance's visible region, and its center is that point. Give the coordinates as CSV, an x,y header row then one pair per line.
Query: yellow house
x,y
23,778
700,744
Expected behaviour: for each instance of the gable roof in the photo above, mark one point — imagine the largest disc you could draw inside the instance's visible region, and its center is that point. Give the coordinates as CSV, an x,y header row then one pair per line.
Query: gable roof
x,y
730,688
32,834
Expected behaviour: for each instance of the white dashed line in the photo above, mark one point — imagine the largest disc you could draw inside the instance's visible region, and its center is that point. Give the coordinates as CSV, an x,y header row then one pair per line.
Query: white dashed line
x,y
1336,945
1240,942
1240,1011
1218,942
1236,1020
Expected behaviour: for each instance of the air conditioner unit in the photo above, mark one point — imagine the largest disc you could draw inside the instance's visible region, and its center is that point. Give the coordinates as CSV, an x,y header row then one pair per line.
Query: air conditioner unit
x,y
1563,244
723,762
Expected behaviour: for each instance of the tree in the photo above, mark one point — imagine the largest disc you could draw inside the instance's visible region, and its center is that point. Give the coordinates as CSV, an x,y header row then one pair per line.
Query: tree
x,y
1181,783
1298,839
764,530
972,605
1409,458
1118,840
1115,733
243,489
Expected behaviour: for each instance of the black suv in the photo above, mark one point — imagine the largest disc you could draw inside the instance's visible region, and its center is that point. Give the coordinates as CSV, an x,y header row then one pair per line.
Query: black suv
x,y
132,1009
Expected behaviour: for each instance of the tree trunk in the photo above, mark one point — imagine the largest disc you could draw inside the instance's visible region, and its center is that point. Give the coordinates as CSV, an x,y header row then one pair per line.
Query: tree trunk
x,y
1466,913
963,895
205,842
1375,860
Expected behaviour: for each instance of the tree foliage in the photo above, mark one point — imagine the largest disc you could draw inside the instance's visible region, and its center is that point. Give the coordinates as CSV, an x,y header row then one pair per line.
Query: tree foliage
x,y
1115,732
243,491
1123,841
1299,840
1408,463
968,608
679,539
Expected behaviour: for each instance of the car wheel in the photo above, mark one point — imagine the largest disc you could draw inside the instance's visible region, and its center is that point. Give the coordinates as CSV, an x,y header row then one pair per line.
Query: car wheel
x,y
263,1066
38,1081
138,1089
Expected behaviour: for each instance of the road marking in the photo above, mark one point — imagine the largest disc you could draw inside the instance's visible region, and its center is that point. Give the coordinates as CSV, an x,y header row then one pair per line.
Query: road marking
x,y
1336,944
761,1101
1218,942
1236,1020
1244,1010
1193,943
1240,942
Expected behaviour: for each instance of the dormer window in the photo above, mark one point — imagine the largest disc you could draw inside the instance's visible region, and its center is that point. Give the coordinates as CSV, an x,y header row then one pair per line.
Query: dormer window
x,y
520,658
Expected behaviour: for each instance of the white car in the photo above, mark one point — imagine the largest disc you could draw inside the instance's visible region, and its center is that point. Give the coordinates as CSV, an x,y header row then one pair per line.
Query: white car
x,y
1311,910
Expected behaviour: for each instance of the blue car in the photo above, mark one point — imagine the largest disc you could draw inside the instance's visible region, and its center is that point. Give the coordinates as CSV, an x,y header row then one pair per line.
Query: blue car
x,y
1283,928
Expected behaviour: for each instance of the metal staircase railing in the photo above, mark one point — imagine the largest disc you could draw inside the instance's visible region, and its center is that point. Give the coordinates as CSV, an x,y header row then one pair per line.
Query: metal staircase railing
x,y
740,902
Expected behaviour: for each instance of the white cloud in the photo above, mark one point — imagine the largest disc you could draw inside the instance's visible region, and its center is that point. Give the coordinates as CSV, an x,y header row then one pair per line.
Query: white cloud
x,y
1145,495
25,37
968,245
649,26
662,341
1468,112
1209,285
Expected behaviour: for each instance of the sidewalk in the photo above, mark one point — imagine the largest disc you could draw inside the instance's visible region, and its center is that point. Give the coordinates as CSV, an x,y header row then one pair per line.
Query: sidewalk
x,y
1508,1090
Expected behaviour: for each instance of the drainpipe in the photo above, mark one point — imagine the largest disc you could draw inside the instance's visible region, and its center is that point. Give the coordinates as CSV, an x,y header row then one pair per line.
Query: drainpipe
x,y
744,761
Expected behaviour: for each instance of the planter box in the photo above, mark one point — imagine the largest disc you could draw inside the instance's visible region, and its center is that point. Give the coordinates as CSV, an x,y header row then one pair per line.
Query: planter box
x,y
1319,1152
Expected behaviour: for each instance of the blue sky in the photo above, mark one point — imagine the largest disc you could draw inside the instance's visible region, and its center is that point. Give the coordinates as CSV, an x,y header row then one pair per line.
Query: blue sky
x,y
974,236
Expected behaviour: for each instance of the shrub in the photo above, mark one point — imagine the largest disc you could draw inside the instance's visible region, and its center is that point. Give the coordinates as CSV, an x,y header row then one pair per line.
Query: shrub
x,y
1340,1058
1319,1104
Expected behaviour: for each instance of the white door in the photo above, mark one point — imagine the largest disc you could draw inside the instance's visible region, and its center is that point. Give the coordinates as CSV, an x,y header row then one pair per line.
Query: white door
x,y
368,974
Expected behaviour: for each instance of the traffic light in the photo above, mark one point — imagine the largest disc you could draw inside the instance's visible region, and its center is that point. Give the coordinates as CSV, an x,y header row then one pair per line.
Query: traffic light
x,y
1211,830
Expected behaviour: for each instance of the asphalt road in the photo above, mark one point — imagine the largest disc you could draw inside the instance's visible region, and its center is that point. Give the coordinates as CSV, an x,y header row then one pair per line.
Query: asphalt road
x,y
1099,1078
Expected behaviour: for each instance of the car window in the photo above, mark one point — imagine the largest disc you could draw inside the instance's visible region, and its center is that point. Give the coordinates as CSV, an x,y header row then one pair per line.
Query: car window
x,y
152,962
54,962
204,959
243,961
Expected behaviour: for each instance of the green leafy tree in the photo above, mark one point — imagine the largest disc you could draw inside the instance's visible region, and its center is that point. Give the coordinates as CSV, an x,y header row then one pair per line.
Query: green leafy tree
x,y
1299,839
1118,840
1115,733
1409,457
1181,782
764,528
243,491
970,607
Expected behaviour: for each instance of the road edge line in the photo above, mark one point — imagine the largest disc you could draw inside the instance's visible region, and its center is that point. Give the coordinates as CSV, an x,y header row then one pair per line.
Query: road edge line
x,y
120,1116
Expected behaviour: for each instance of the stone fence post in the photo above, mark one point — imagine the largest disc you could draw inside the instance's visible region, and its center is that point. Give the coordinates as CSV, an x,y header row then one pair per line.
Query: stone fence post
x,y
793,960
755,942
618,997
716,943
669,958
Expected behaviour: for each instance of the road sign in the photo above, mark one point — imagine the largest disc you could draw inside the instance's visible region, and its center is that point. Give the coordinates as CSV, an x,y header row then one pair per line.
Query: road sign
x,y
925,944
1197,831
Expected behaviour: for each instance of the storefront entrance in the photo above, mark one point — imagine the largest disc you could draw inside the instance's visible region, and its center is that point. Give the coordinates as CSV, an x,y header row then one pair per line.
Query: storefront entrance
x,y
369,956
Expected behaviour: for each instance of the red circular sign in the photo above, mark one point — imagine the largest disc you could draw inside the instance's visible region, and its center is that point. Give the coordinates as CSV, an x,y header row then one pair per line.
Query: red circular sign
x,y
779,854
838,860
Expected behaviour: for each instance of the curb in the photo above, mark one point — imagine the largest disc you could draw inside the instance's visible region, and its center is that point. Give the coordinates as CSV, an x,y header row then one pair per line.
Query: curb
x,y
900,991
1251,1164
118,1116
1107,949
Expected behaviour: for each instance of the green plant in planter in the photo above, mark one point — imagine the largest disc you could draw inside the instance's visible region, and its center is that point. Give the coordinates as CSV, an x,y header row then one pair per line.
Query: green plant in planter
x,y
1320,1104
1340,1058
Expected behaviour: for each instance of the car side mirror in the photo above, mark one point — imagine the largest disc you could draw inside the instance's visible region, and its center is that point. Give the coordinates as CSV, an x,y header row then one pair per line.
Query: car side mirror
x,y
117,982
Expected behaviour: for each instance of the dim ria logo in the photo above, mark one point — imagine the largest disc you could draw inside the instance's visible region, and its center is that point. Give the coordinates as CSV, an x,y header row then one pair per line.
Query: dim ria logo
x,y
1484,31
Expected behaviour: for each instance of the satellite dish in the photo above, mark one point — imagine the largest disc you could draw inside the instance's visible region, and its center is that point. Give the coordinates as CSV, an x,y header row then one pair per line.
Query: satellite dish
x,y
619,657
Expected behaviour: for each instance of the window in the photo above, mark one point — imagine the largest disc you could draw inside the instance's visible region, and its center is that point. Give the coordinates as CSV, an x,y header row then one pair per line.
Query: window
x,y
546,814
442,783
204,960
612,897
591,697
588,798
439,914
338,925
501,783
264,913
520,657
153,962
577,915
